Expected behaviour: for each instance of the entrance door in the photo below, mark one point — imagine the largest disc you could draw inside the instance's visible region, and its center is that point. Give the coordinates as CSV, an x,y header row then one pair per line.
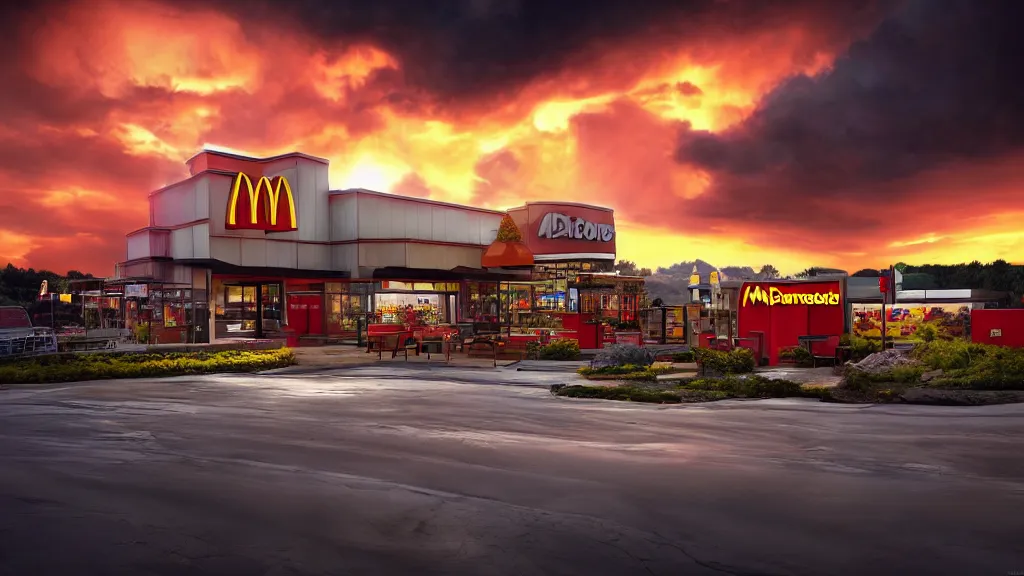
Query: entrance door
x,y
247,309
305,314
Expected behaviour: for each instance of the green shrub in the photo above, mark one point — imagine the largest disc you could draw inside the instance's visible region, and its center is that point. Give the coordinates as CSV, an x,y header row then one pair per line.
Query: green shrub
x,y
751,386
797,355
861,348
646,375
102,366
626,393
953,354
887,395
611,370
803,357
562,349
860,381
737,361
926,333
987,367
626,372
684,357
906,374
533,350
820,392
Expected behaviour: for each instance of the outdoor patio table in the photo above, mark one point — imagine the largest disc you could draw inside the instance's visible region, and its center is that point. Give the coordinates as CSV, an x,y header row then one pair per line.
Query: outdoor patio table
x,y
808,341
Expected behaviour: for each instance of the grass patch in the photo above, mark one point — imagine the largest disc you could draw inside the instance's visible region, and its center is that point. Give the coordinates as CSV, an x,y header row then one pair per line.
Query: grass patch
x,y
751,386
104,366
625,393
628,372
859,381
823,393
611,370
631,372
697,390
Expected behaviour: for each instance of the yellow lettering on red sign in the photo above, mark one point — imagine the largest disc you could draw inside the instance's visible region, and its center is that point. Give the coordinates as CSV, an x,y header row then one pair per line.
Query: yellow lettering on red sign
x,y
264,202
774,296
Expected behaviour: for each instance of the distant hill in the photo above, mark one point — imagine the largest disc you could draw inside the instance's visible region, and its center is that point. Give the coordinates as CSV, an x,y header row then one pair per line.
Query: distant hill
x,y
670,283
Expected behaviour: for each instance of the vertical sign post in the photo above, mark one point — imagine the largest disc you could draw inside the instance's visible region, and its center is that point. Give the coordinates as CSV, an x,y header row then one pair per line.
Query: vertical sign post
x,y
883,287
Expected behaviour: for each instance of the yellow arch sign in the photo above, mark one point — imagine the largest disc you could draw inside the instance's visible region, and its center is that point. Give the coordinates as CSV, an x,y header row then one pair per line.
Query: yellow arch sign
x,y
262,209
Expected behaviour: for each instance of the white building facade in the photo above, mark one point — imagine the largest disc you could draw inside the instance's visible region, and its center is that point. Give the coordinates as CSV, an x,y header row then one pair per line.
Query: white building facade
x,y
248,246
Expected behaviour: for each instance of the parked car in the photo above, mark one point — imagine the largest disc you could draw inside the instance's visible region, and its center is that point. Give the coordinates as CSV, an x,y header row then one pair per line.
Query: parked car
x,y
18,337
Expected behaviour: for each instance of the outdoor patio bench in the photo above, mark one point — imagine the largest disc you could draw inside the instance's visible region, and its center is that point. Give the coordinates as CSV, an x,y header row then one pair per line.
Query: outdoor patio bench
x,y
487,344
429,347
403,344
517,347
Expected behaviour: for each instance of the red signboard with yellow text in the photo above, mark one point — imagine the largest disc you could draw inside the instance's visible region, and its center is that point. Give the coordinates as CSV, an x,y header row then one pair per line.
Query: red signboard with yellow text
x,y
785,311
267,206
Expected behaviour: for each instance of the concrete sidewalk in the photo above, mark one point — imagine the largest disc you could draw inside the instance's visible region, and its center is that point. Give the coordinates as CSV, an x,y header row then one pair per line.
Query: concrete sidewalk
x,y
807,376
548,365
346,356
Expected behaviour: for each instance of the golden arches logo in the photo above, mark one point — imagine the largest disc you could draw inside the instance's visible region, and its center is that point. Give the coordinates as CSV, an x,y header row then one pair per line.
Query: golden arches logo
x,y
754,294
258,211
773,296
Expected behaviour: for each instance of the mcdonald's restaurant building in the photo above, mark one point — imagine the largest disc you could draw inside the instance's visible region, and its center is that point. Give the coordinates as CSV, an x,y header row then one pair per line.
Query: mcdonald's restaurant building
x,y
252,247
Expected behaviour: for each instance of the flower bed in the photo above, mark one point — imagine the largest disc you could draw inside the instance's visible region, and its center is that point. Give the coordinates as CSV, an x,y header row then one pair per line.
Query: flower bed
x,y
101,366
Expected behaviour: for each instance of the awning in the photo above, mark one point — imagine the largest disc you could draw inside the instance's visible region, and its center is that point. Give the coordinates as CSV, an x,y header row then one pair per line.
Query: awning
x,y
506,255
433,275
222,268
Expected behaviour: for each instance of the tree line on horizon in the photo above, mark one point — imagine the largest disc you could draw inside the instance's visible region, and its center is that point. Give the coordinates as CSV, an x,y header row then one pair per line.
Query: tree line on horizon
x,y
20,286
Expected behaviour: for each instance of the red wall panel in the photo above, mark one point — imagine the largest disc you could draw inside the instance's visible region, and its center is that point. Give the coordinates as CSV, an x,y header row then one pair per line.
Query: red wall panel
x,y
305,314
1009,323
775,309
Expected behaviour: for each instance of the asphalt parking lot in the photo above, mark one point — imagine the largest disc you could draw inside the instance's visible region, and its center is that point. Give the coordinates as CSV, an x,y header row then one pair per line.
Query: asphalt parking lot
x,y
401,470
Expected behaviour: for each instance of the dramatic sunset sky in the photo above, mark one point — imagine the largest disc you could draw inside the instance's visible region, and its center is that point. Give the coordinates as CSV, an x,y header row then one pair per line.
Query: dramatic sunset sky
x,y
797,133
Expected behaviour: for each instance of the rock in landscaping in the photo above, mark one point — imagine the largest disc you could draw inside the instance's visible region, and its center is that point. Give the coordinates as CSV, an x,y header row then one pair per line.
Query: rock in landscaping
x,y
622,355
882,362
931,374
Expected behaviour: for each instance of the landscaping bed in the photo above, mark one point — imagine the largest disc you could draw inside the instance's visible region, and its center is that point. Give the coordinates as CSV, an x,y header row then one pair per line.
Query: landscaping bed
x,y
723,375
937,372
629,372
103,366
954,373
694,390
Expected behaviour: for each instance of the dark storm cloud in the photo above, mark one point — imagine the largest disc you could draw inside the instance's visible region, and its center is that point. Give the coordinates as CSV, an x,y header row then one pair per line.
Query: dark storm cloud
x,y
463,49
938,81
